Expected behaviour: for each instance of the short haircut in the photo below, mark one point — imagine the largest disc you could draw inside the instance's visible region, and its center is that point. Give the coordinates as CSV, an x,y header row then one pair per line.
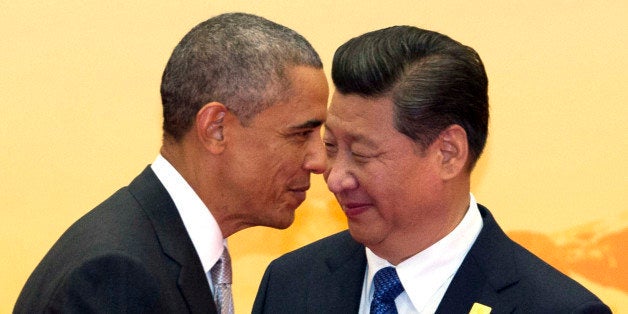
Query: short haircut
x,y
433,81
237,59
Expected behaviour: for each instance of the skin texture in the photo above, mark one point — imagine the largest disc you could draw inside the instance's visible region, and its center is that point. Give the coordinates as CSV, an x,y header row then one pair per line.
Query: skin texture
x,y
391,189
256,174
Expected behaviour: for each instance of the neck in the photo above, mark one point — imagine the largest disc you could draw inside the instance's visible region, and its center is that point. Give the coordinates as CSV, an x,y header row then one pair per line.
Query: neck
x,y
201,171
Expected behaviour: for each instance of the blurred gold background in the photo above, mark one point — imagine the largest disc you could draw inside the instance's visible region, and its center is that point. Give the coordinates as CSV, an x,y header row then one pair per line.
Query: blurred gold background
x,y
81,116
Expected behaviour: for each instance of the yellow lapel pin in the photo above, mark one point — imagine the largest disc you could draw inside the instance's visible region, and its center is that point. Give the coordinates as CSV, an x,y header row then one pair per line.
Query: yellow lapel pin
x,y
478,308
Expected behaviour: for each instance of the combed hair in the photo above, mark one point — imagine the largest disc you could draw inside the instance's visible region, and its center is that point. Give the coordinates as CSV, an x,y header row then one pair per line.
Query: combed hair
x,y
237,59
433,81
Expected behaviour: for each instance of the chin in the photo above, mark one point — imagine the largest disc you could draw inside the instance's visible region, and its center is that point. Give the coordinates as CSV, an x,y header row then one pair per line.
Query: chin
x,y
357,236
362,235
280,222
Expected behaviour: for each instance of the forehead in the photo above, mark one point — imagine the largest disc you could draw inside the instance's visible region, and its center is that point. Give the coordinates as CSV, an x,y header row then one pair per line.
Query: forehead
x,y
309,92
360,117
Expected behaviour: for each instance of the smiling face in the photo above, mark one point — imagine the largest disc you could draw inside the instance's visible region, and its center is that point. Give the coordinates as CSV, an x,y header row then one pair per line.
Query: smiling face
x,y
271,158
388,187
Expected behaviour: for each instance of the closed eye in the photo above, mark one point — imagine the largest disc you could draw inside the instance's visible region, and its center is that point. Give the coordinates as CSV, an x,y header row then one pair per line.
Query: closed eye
x,y
304,134
301,135
330,147
360,158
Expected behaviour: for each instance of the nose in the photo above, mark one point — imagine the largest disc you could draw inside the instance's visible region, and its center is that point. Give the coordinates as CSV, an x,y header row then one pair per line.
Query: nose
x,y
315,158
338,177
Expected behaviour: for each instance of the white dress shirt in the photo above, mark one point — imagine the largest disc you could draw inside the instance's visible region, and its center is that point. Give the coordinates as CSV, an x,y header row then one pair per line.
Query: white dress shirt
x,y
426,276
198,220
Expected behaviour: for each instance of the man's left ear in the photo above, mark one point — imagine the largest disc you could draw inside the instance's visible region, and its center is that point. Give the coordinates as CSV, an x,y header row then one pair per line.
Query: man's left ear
x,y
454,151
210,121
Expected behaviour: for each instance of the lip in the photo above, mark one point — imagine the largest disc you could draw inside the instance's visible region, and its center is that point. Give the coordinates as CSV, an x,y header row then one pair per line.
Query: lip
x,y
300,193
355,209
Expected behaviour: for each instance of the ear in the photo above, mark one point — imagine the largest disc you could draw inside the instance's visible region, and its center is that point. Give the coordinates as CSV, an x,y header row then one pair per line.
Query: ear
x,y
454,151
209,126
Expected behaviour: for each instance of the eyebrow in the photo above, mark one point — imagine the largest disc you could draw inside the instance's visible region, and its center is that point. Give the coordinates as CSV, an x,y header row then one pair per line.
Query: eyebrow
x,y
309,124
359,138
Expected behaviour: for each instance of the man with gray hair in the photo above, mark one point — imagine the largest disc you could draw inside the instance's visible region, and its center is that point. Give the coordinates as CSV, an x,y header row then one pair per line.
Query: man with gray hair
x,y
243,102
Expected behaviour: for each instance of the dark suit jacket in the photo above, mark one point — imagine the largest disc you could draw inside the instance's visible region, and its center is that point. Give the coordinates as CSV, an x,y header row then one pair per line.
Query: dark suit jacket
x,y
326,277
129,254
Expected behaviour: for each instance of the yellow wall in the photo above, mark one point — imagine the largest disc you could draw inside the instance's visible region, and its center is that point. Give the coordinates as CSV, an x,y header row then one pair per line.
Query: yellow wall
x,y
80,117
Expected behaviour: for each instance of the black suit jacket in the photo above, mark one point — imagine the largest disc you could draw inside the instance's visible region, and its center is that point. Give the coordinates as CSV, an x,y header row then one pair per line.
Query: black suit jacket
x,y
129,254
327,276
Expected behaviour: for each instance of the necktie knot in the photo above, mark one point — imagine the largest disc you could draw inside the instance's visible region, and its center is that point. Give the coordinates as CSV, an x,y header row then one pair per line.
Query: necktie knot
x,y
387,288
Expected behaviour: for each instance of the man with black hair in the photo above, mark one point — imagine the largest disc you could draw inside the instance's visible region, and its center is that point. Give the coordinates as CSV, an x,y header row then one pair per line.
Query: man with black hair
x,y
406,125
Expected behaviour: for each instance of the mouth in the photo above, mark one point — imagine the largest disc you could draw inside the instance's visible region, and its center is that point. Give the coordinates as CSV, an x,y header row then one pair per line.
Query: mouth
x,y
354,209
299,192
300,189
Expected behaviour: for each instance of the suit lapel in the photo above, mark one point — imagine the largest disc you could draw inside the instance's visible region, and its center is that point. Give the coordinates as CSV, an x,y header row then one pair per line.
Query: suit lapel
x,y
465,289
196,292
486,272
337,287
174,240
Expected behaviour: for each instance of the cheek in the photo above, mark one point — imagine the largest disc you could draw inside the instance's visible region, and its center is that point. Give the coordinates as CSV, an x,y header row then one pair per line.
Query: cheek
x,y
388,197
379,185
284,163
395,187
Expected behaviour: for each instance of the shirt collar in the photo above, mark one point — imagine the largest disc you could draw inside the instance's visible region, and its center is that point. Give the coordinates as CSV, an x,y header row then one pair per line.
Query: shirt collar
x,y
197,219
424,273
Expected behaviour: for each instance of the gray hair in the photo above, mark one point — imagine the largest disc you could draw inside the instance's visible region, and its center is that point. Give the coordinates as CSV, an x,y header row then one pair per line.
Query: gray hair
x,y
237,59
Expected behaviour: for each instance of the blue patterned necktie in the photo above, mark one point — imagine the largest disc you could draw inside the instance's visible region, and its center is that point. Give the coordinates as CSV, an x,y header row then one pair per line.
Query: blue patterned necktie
x,y
387,289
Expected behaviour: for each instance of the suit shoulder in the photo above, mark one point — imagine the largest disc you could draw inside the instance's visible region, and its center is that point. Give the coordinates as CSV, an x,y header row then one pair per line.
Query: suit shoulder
x,y
538,271
554,290
545,288
112,278
116,225
522,277
330,246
